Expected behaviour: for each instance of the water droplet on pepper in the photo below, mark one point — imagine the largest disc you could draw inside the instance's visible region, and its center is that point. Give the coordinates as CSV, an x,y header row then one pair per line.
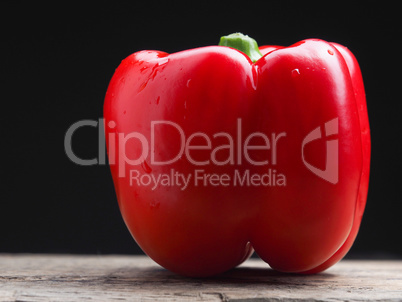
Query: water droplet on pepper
x,y
146,167
154,204
295,72
143,85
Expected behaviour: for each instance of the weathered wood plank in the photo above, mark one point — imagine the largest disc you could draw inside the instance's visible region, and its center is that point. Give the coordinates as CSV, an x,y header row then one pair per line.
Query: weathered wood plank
x,y
137,278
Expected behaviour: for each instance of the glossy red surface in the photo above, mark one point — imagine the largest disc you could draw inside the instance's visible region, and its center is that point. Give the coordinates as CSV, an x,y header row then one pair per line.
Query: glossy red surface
x,y
303,225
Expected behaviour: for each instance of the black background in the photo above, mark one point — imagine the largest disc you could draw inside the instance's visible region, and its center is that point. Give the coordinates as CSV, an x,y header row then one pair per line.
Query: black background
x,y
57,60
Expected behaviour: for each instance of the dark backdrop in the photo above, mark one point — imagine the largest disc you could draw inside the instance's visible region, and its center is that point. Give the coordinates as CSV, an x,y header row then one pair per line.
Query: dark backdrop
x,y
57,61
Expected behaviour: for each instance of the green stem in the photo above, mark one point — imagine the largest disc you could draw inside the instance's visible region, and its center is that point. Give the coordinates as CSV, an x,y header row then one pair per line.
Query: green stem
x,y
243,43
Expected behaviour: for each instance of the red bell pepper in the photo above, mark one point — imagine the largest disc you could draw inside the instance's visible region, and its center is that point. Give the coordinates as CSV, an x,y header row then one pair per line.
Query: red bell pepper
x,y
221,150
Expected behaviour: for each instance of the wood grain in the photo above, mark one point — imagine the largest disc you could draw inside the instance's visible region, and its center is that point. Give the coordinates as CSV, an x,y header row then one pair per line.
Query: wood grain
x,y
137,278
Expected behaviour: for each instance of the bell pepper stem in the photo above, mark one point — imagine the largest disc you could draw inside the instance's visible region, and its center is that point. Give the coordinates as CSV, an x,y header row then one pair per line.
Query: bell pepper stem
x,y
243,43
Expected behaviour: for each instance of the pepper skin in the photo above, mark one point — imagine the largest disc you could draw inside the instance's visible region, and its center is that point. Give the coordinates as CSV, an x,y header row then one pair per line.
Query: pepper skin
x,y
159,106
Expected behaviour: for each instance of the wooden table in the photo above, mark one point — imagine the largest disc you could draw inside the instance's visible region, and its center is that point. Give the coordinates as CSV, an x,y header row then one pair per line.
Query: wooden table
x,y
137,278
